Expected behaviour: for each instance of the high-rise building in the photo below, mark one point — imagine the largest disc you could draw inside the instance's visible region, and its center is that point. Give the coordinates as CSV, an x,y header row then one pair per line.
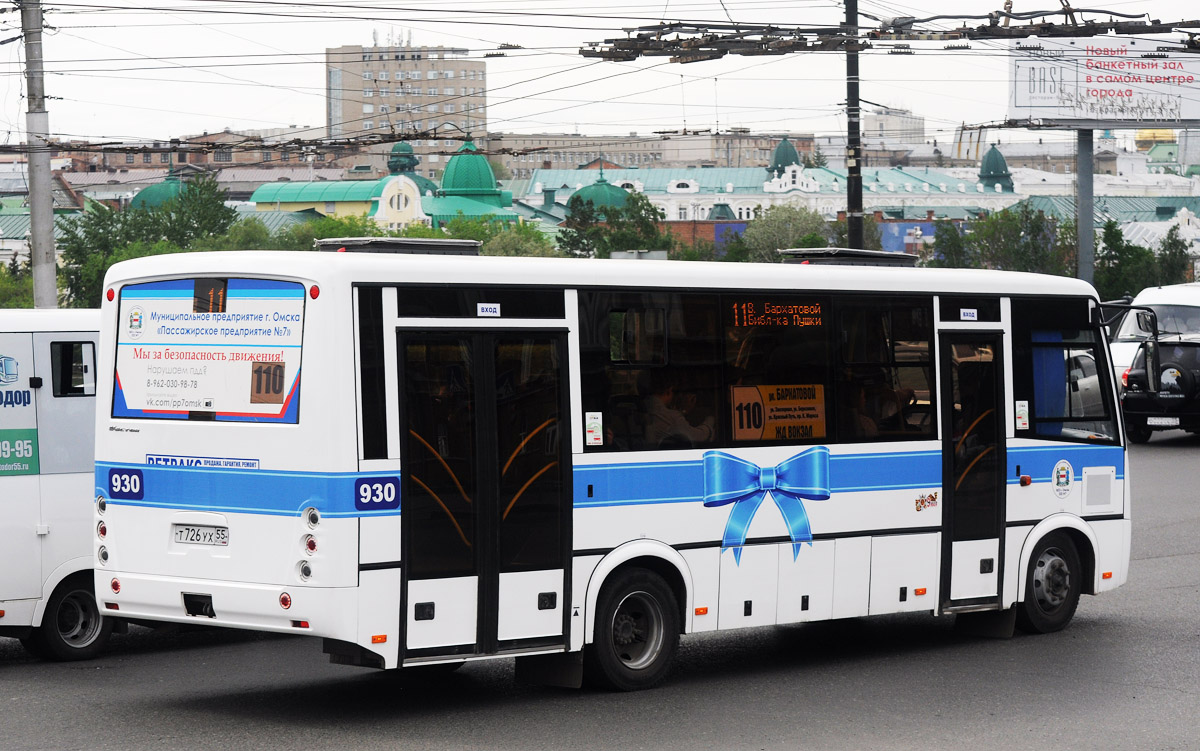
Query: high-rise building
x,y
437,92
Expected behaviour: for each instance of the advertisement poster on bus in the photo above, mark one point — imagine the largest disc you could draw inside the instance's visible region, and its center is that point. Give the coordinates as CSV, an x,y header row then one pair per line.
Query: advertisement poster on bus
x,y
1104,78
18,413
216,349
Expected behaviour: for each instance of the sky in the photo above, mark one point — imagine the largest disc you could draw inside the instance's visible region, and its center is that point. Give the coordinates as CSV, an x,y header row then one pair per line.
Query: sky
x,y
119,71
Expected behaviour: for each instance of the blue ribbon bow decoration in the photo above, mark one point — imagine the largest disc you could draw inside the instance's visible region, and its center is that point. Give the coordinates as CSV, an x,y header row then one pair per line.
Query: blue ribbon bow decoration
x,y
728,479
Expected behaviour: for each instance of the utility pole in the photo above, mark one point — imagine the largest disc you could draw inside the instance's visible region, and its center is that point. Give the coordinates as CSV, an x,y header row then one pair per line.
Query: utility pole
x,y
854,186
37,127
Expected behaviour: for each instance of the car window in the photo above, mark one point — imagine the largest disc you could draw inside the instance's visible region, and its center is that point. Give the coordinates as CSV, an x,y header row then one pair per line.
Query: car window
x,y
1172,319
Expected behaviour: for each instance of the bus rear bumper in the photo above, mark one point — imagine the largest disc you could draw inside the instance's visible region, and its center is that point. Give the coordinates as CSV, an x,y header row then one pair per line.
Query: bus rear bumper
x,y
316,611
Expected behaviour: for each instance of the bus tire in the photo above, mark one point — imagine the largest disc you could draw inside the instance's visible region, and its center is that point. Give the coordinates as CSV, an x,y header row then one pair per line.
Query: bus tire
x,y
637,632
1052,585
72,627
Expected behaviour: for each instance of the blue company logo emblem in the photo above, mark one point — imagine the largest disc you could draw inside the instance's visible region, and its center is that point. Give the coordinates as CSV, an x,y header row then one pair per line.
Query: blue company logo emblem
x,y
728,479
8,369
377,493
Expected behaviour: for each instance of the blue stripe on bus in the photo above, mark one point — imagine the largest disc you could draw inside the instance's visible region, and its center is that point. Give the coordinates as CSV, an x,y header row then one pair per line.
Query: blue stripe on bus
x,y
1038,461
254,491
680,482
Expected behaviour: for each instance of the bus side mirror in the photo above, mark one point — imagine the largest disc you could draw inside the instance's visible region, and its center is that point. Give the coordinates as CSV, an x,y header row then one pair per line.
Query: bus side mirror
x,y
1152,365
1146,321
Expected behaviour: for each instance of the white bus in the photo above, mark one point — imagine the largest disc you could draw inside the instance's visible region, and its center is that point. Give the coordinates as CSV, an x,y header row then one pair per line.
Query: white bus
x,y
433,459
47,413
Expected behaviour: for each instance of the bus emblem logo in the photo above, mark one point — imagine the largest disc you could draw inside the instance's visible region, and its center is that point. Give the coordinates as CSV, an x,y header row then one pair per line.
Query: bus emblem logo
x,y
135,323
1064,474
8,369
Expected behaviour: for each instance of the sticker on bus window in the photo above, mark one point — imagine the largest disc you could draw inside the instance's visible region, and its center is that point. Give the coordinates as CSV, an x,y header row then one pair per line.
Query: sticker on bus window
x,y
778,413
210,349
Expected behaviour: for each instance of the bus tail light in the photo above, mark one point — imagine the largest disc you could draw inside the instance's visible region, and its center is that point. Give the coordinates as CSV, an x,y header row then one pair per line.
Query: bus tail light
x,y
111,606
110,294
299,624
116,586
1106,575
285,601
314,292
101,530
310,544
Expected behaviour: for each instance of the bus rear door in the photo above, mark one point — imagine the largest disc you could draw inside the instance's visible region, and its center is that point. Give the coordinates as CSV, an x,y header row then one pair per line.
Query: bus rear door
x,y
486,490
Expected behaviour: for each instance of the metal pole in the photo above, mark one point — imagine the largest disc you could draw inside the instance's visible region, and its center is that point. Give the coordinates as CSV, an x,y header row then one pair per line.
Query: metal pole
x,y
37,126
1085,206
854,186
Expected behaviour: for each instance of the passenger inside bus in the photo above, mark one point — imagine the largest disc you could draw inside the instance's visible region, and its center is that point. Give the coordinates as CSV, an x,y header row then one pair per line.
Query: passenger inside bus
x,y
667,413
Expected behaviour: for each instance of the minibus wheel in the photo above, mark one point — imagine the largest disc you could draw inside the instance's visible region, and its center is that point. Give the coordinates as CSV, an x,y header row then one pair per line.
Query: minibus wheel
x,y
1052,585
72,627
637,632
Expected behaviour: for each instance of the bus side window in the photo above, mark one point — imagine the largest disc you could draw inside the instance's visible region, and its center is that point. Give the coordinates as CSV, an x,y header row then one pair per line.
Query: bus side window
x,y
73,368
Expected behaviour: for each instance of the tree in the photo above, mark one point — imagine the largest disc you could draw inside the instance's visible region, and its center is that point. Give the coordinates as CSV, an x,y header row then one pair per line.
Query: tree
x,y
635,227
304,236
581,232
872,238
523,239
780,227
199,211
950,249
1173,260
499,169
87,245
1122,267
814,159
1018,239
246,234
16,289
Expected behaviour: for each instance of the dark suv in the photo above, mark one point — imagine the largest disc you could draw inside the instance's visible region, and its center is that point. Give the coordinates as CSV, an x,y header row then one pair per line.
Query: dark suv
x,y
1176,404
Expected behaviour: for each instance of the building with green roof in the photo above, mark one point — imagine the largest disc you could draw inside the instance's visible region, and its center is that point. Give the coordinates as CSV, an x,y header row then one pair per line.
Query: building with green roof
x,y
469,190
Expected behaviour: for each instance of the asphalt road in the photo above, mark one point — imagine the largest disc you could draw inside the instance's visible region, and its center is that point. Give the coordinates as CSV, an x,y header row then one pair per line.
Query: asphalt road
x,y
1124,675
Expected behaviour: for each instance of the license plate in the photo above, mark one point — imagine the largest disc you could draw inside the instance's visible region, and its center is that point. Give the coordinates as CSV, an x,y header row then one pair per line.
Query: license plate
x,y
1163,422
198,534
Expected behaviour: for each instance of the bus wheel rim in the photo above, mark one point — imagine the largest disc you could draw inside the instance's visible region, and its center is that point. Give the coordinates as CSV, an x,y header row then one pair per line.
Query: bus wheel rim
x,y
1051,580
78,623
637,630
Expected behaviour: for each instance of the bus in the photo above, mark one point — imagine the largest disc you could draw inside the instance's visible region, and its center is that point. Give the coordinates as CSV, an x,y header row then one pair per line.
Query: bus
x,y
47,414
436,459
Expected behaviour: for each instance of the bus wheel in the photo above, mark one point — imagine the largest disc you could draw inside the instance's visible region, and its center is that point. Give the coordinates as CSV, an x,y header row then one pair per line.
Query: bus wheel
x,y
1052,585
637,632
72,628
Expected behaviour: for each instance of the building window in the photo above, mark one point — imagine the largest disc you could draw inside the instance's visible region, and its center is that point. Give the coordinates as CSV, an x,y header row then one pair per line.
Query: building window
x,y
223,155
432,91
433,158
330,207
385,92
448,91
431,108
682,213
383,109
285,156
266,156
368,125
367,75
431,75
147,158
449,108
368,109
383,76
368,93
164,157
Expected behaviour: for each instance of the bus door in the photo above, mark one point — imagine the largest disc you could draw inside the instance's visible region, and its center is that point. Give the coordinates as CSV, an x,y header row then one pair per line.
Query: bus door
x,y
486,490
973,469
20,510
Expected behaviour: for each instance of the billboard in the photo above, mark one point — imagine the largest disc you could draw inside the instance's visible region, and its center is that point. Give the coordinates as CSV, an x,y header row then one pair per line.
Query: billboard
x,y
1102,81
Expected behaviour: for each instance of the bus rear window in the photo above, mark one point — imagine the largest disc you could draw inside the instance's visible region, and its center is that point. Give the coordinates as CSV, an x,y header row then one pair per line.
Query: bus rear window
x,y
209,349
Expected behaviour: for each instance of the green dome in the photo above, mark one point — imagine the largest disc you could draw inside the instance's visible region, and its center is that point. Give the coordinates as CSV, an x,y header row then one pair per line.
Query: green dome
x,y
603,195
784,156
994,170
153,196
721,212
468,171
